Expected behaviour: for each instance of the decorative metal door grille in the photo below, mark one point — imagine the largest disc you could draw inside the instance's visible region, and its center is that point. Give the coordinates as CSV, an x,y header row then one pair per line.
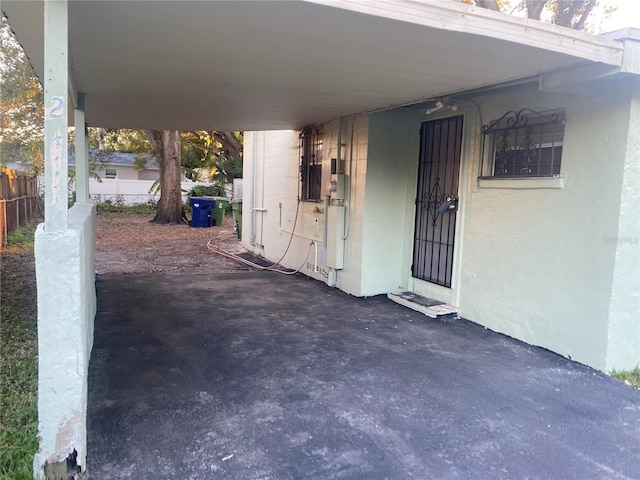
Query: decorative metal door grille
x,y
524,144
438,171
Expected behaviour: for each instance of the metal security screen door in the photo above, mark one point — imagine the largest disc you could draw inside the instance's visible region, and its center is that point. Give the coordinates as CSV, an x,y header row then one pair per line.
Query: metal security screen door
x,y
436,201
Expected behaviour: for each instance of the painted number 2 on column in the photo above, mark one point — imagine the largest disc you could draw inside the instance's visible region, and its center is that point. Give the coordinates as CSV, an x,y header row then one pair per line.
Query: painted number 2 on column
x,y
56,110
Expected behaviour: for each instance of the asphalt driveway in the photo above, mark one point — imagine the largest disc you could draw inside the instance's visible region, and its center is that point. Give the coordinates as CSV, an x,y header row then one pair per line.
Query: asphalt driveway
x,y
257,375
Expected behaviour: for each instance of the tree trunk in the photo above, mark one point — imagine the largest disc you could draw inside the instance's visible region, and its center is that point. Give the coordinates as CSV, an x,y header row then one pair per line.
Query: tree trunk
x,y
534,8
567,13
166,148
488,4
573,13
230,144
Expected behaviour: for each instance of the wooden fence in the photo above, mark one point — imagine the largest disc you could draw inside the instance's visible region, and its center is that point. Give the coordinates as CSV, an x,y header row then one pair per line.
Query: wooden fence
x,y
19,200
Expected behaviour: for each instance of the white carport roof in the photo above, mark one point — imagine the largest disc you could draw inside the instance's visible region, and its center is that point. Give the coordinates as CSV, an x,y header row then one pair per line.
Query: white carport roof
x,y
259,65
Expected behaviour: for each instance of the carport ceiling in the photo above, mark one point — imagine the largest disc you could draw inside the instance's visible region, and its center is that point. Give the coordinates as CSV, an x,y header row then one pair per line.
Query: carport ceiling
x,y
276,65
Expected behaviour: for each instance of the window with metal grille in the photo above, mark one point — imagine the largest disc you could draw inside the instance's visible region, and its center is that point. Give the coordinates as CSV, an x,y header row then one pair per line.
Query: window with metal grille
x,y
310,164
523,144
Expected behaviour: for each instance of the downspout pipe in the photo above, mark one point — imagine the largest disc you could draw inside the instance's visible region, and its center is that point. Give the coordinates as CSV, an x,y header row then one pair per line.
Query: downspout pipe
x,y
252,234
332,275
339,140
262,209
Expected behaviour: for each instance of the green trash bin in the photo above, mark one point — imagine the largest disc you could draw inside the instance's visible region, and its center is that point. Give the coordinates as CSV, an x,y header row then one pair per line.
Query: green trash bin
x,y
236,205
219,209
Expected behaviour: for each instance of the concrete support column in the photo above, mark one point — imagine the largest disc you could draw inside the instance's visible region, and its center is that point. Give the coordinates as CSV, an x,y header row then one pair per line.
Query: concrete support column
x,y
64,273
56,66
66,310
82,153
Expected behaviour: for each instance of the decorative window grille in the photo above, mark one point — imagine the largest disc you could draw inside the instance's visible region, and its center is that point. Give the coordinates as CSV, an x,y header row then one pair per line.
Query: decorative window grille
x,y
310,164
523,144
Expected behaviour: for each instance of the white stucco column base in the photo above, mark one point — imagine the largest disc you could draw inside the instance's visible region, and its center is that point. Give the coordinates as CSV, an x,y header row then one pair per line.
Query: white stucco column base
x,y
66,310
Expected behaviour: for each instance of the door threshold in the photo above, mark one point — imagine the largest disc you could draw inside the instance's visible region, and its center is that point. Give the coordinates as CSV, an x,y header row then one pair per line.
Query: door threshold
x,y
430,307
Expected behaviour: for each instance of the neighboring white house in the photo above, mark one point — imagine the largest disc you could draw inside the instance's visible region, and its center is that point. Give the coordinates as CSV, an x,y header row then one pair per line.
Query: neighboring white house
x,y
541,239
117,178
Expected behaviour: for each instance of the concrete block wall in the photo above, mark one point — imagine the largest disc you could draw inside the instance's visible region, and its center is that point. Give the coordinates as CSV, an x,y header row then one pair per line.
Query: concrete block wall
x,y
271,188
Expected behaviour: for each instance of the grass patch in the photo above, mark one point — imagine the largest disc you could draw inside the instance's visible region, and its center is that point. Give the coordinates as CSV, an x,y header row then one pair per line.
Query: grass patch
x,y
18,357
148,208
23,237
631,377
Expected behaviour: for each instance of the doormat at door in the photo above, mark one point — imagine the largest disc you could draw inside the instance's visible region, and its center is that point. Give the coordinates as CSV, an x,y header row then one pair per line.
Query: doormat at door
x,y
428,306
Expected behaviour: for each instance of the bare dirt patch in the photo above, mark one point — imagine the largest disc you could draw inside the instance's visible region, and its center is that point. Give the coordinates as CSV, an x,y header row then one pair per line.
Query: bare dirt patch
x,y
130,244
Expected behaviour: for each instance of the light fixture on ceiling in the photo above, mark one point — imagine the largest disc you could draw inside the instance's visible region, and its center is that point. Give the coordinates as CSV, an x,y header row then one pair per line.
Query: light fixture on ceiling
x,y
440,104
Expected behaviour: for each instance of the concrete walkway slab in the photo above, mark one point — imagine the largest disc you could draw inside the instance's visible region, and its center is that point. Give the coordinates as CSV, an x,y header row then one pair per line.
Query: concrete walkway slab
x,y
258,375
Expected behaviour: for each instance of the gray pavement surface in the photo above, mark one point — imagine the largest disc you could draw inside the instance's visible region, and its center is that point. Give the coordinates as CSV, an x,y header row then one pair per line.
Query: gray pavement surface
x,y
257,375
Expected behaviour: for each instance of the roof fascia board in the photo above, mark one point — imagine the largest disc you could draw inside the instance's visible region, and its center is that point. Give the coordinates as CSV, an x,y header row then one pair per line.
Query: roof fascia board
x,y
459,17
630,38
567,81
